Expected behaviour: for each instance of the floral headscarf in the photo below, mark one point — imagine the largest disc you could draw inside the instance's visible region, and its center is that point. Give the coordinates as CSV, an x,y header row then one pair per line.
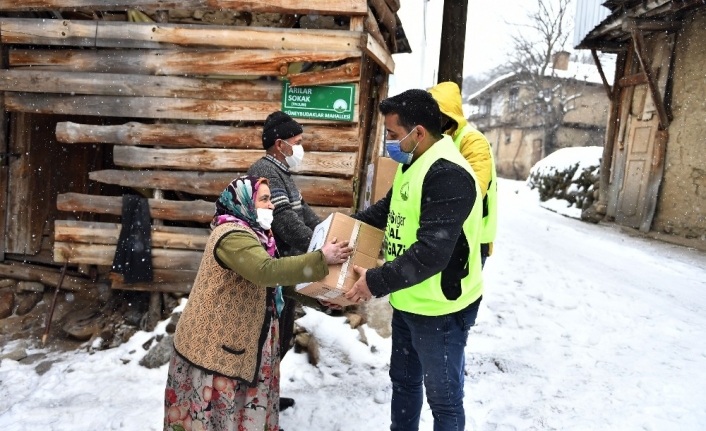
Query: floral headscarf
x,y
237,205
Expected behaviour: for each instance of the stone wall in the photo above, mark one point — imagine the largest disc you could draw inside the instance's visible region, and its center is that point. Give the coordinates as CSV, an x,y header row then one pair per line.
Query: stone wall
x,y
681,207
517,139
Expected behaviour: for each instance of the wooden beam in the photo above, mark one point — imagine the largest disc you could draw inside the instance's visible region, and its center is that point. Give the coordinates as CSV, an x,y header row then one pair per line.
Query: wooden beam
x,y
172,275
385,16
179,238
315,190
315,138
378,53
112,84
172,62
616,102
100,254
106,34
633,80
46,276
651,80
140,107
606,86
324,7
630,24
394,5
605,46
372,27
4,163
349,72
197,211
315,163
147,107
183,287
357,23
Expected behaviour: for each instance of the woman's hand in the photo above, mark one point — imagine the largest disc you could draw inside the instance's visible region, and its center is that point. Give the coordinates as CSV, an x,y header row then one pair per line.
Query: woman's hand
x,y
336,252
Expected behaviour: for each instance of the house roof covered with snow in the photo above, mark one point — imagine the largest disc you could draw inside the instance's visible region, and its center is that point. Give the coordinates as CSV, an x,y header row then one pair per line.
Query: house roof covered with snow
x,y
575,71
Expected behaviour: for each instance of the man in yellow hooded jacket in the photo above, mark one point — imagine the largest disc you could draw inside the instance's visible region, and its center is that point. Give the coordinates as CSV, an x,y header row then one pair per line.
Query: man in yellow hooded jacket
x,y
476,149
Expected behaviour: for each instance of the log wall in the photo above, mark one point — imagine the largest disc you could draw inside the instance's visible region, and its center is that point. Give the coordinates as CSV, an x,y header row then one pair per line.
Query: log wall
x,y
183,106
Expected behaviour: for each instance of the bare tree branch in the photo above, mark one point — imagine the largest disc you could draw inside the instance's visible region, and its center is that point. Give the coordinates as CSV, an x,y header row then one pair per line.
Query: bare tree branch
x,y
534,47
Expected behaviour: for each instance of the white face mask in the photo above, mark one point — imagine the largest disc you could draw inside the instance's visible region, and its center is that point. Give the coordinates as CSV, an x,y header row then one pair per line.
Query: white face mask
x,y
297,155
264,218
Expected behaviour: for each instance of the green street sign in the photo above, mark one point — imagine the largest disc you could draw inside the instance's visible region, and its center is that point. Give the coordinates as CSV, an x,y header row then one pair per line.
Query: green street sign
x,y
320,102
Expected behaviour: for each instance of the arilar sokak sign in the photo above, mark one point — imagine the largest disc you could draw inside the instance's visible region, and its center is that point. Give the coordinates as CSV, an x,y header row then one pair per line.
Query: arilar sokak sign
x,y
321,102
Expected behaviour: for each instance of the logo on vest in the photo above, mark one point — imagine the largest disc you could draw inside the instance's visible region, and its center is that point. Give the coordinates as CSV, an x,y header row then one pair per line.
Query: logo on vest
x,y
404,191
395,246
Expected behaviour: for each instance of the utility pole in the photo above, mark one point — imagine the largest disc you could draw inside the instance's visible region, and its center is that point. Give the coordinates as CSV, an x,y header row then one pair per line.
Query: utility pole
x,y
453,41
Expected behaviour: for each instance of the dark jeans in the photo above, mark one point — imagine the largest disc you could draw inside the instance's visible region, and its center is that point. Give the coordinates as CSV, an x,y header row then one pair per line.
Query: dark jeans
x,y
429,350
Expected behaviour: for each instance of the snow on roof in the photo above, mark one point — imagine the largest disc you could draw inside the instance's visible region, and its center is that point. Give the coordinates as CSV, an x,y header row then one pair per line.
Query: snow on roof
x,y
492,83
575,70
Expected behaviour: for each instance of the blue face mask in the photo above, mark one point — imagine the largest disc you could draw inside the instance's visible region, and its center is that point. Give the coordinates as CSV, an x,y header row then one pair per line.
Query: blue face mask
x,y
394,150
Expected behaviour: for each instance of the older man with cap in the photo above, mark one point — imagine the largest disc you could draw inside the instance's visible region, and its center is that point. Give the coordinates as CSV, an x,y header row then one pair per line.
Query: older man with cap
x,y
294,220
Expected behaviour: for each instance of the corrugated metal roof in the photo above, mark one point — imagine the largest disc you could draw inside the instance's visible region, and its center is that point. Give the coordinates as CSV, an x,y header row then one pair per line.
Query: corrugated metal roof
x,y
589,13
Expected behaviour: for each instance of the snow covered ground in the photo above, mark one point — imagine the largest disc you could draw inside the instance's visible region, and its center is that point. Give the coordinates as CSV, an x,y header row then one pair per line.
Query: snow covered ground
x,y
581,328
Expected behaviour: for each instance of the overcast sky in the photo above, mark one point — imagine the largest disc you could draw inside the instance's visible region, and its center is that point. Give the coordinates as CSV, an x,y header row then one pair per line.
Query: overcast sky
x,y
487,38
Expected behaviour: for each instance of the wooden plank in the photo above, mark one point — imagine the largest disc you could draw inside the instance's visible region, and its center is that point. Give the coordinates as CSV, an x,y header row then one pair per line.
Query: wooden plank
x,y
379,53
349,72
173,275
325,7
651,79
630,24
44,275
19,238
315,163
372,27
101,254
394,5
174,62
112,84
633,80
198,211
385,16
108,233
146,107
106,34
4,164
183,287
357,23
315,190
140,107
610,136
315,138
597,61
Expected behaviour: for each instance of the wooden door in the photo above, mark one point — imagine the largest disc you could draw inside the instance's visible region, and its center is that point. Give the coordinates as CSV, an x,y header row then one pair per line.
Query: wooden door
x,y
40,168
638,189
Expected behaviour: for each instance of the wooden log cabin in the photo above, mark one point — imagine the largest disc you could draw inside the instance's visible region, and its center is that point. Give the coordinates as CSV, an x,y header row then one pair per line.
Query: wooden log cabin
x,y
166,99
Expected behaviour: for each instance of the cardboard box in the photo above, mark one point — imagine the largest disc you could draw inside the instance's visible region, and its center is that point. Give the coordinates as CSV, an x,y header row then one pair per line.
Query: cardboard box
x,y
381,174
366,242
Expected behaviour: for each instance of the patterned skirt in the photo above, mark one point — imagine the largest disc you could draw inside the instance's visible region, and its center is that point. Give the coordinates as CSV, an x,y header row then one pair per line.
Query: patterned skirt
x,y
196,400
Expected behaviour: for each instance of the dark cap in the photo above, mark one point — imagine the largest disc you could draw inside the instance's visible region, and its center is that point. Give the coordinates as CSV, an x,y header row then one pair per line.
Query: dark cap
x,y
279,125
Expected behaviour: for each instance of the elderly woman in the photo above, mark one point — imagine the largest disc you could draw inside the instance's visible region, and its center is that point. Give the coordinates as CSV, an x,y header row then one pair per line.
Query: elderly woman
x,y
224,374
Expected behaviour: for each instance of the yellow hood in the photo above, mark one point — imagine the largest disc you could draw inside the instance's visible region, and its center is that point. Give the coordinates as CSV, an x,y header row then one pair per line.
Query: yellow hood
x,y
448,96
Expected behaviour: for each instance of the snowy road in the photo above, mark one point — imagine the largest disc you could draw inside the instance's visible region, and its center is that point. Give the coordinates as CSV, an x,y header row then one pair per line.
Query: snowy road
x,y
581,328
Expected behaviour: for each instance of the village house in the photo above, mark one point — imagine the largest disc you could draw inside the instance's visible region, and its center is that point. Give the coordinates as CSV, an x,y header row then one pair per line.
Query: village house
x,y
511,114
653,171
165,101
